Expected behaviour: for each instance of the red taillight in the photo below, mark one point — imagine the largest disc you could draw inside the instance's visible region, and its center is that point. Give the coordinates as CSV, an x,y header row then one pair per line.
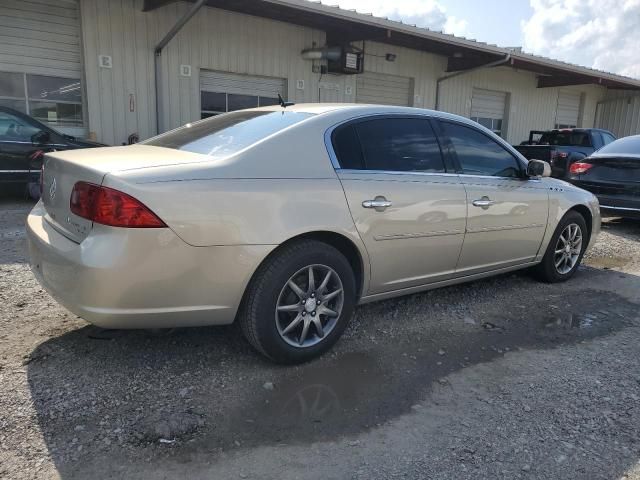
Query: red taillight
x,y
110,207
579,167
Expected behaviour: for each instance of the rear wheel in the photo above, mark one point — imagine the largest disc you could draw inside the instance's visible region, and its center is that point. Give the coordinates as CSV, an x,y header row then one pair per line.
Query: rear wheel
x,y
299,302
565,250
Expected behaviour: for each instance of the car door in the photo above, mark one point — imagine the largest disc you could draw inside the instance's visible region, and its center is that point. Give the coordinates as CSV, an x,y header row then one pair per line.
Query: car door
x,y
16,147
506,211
23,143
409,211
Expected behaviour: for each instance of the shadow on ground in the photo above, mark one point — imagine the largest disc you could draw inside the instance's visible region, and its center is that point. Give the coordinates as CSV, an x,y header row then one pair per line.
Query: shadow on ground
x,y
101,394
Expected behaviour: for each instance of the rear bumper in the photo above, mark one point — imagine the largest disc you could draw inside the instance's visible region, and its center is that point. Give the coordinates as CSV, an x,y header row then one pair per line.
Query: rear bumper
x,y
140,278
623,205
614,211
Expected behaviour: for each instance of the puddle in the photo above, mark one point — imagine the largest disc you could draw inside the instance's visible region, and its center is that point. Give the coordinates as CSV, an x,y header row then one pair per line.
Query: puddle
x,y
353,392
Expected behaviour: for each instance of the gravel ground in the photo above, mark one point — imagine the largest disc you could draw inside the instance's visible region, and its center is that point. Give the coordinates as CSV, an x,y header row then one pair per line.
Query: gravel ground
x,y
502,378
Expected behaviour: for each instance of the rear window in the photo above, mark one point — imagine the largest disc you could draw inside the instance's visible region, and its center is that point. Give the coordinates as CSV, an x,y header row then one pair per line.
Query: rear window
x,y
622,146
228,133
566,139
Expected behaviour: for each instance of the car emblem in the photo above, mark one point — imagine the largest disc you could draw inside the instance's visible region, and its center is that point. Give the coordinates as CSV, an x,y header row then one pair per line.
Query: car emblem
x,y
52,190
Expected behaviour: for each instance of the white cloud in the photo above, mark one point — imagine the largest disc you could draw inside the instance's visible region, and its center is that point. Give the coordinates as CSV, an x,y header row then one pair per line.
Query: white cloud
x,y
603,34
423,13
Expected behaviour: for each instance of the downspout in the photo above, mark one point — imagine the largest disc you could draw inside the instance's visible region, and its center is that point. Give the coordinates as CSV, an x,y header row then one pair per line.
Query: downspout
x,y
496,63
157,53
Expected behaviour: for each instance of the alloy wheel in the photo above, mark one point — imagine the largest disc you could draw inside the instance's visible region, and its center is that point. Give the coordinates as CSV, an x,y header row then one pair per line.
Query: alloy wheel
x,y
568,249
309,305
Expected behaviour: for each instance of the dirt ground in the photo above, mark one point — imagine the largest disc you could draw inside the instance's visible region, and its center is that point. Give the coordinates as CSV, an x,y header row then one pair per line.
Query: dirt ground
x,y
501,378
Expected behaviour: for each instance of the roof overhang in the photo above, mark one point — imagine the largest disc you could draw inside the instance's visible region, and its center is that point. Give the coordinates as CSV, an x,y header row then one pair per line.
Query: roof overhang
x,y
343,26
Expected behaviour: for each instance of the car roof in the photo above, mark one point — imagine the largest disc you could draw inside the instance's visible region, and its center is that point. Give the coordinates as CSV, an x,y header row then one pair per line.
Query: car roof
x,y
362,109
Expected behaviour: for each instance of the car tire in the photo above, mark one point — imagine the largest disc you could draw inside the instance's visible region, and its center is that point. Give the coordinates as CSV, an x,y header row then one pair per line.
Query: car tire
x,y
272,304
33,191
558,265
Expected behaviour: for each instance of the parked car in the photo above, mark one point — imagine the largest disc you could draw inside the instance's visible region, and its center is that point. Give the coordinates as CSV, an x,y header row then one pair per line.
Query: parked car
x,y
563,147
285,219
613,175
23,142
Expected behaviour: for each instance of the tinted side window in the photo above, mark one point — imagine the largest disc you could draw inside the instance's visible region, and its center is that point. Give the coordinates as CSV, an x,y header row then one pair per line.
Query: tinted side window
x,y
608,138
14,129
480,155
597,140
400,144
347,148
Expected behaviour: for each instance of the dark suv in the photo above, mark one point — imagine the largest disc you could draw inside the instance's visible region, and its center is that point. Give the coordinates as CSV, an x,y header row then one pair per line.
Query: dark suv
x,y
23,142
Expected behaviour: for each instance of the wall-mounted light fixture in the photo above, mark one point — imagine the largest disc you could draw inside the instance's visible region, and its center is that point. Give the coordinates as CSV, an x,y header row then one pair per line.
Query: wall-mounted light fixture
x,y
391,57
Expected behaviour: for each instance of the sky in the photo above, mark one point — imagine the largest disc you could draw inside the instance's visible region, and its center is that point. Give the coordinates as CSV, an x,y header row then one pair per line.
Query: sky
x,y
602,34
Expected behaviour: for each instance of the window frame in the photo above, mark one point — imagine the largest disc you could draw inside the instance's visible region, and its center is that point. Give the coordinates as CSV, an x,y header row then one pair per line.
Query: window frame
x,y
449,168
497,131
609,134
454,157
28,99
213,113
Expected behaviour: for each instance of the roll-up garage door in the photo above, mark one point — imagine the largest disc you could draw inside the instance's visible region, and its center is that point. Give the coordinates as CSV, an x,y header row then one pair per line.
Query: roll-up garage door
x,y
568,110
41,62
222,92
383,89
488,109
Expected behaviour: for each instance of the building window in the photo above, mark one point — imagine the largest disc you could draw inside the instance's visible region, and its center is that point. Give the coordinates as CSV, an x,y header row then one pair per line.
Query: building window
x,y
12,93
493,124
56,101
214,103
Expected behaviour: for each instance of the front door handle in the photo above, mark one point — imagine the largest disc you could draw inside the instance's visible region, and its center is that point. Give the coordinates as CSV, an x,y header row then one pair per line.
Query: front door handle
x,y
484,202
379,203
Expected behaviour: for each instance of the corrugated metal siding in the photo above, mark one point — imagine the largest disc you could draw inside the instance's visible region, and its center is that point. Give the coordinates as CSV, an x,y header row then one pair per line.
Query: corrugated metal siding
x,y
225,41
530,108
40,37
620,115
424,68
384,89
213,40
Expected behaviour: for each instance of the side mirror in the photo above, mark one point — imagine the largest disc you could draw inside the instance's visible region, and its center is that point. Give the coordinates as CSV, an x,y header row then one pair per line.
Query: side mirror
x,y
40,138
538,168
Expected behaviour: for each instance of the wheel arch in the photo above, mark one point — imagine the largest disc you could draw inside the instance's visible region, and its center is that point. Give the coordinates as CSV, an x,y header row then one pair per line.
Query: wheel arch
x,y
340,242
586,214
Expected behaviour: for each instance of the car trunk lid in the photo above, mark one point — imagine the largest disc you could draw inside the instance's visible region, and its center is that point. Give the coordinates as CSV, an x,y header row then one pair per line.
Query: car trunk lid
x,y
62,170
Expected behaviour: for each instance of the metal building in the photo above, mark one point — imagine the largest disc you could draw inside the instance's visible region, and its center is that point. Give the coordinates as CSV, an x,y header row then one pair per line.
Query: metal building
x,y
111,68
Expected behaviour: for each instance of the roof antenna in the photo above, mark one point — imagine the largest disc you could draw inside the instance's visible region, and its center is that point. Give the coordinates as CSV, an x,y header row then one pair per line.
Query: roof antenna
x,y
284,104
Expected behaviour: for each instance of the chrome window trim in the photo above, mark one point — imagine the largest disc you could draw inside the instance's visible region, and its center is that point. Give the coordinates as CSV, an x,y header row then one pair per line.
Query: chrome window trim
x,y
355,171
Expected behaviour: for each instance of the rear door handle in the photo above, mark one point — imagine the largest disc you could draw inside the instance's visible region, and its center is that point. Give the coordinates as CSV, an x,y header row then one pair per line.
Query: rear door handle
x,y
379,203
484,202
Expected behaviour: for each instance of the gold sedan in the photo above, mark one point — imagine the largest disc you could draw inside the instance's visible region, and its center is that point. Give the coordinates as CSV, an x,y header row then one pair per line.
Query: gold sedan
x,y
284,219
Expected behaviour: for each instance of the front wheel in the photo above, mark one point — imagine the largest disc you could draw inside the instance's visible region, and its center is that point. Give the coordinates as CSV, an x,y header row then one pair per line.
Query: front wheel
x,y
299,302
565,250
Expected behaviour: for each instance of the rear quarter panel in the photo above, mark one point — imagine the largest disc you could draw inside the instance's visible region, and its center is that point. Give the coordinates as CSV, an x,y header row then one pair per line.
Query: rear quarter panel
x,y
209,212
